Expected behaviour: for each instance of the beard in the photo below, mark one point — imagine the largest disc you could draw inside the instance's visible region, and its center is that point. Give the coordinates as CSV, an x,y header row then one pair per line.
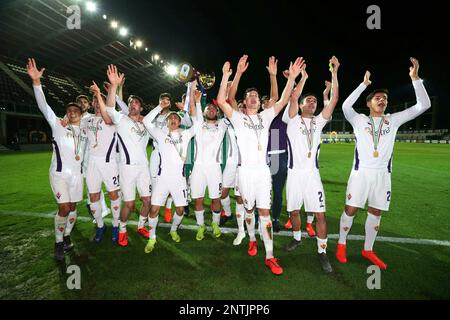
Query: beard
x,y
211,118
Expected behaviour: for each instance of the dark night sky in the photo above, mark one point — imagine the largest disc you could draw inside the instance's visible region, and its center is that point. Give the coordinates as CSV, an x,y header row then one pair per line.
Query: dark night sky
x,y
207,33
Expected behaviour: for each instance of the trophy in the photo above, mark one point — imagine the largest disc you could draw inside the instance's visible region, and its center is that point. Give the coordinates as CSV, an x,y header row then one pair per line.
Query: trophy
x,y
187,74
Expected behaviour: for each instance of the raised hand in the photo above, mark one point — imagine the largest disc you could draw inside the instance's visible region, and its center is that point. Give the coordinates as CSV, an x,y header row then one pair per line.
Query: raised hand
x,y
335,62
242,64
327,88
414,70
286,74
303,72
106,86
295,68
367,81
226,69
272,68
179,105
115,78
94,89
197,96
34,73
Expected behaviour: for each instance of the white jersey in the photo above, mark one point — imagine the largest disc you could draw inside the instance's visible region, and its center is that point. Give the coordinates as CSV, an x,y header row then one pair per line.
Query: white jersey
x,y
252,134
208,141
172,146
232,146
387,125
68,142
299,133
133,138
101,138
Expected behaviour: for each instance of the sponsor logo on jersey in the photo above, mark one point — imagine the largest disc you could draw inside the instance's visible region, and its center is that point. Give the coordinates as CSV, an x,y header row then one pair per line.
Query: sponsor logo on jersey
x,y
174,141
253,127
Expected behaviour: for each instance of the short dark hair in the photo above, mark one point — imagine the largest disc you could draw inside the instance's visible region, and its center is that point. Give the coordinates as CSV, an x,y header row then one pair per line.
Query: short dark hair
x,y
166,95
250,90
171,113
74,104
309,94
81,96
373,93
265,98
131,97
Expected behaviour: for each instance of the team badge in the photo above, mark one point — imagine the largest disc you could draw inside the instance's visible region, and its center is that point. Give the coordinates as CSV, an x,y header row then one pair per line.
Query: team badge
x,y
386,121
377,228
117,207
345,229
349,196
61,229
58,195
71,220
323,246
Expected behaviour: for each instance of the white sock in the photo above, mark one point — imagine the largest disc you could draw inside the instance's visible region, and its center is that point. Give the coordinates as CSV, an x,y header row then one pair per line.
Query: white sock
x,y
103,202
372,227
115,209
344,227
142,221
309,218
226,205
176,222
322,245
216,217
123,226
152,223
297,235
240,217
71,219
96,209
250,223
267,234
200,217
60,226
169,203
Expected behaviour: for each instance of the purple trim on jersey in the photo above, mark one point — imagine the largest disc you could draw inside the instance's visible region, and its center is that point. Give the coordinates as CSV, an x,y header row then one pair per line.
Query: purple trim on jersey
x,y
291,155
183,170
111,146
117,146
389,167
127,155
58,157
317,157
159,165
356,159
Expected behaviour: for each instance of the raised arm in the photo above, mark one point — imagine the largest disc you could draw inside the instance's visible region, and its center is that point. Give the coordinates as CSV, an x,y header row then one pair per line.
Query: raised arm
x,y
241,68
96,91
422,99
326,92
293,105
221,96
328,109
272,69
294,70
114,81
36,76
347,106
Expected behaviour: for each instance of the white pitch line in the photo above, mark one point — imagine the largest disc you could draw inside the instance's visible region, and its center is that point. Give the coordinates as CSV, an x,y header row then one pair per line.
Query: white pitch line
x,y
444,243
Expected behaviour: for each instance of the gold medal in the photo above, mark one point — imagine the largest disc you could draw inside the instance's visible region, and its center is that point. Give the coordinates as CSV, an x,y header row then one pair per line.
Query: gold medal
x,y
375,154
77,157
309,154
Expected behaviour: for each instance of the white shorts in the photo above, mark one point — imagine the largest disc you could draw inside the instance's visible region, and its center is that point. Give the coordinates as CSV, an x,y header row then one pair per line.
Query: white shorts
x,y
229,175
67,186
372,185
304,187
132,177
99,171
175,185
255,187
203,176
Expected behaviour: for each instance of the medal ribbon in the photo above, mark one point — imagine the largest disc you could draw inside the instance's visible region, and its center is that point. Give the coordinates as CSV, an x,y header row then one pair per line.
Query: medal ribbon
x,y
376,134
256,130
309,134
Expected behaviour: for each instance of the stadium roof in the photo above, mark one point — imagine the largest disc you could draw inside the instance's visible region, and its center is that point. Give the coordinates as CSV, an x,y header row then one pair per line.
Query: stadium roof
x,y
38,28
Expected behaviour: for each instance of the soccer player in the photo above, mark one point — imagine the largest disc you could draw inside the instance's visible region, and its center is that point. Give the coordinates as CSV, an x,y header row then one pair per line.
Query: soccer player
x,y
133,169
252,131
370,179
83,101
207,171
304,185
172,146
65,170
102,165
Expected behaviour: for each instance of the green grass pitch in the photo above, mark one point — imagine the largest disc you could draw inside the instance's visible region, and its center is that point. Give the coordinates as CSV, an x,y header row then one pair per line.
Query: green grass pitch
x,y
214,268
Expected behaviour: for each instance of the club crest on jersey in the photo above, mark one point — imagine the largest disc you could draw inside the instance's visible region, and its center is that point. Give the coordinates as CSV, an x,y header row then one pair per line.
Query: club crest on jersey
x,y
349,196
58,195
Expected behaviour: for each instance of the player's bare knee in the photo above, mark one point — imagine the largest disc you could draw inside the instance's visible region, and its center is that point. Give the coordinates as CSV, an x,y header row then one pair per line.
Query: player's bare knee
x,y
73,206
154,211
94,197
320,217
375,212
146,201
179,211
239,200
264,212
351,211
129,205
113,195
63,209
225,193
199,204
